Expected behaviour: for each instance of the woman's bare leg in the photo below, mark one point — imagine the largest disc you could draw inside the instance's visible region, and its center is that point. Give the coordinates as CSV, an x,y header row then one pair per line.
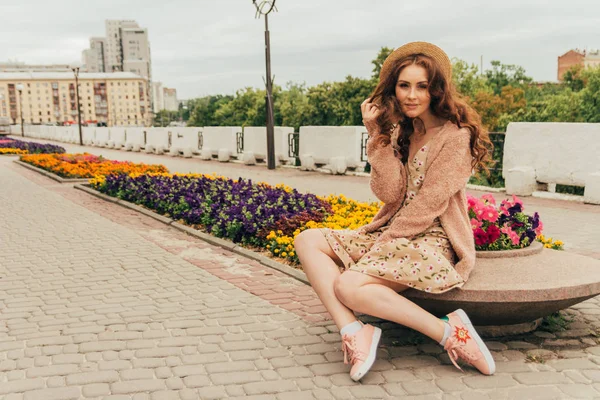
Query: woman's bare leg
x,y
378,297
321,266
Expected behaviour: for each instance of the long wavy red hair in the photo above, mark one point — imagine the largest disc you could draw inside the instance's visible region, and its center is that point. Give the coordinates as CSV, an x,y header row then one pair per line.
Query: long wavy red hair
x,y
446,103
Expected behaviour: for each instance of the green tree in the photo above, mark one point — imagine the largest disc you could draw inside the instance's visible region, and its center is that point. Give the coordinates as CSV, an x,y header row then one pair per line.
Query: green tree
x,y
377,62
590,95
203,110
502,75
164,117
291,105
338,103
573,78
467,79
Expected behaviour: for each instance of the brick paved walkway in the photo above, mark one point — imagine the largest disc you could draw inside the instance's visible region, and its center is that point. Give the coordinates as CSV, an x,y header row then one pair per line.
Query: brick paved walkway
x,y
97,301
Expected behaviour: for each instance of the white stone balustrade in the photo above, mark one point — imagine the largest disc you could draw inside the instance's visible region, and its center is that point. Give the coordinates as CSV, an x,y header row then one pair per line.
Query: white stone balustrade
x,y
186,139
552,153
220,138
338,146
255,143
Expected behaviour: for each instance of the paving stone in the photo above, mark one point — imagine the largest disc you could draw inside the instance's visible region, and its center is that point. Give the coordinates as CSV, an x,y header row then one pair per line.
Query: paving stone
x,y
420,387
212,393
540,378
579,391
268,388
489,382
534,393
450,385
513,366
367,392
302,395
228,378
294,372
573,363
415,362
54,394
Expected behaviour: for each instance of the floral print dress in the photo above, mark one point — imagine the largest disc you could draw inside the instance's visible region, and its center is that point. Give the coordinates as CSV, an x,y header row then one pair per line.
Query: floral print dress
x,y
424,261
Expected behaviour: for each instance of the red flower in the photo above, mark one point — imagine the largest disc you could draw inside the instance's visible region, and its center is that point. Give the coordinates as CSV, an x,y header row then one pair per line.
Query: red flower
x,y
481,237
493,233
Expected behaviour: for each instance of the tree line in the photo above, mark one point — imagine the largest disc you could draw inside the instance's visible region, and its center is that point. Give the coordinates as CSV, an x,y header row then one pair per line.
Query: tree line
x,y
502,94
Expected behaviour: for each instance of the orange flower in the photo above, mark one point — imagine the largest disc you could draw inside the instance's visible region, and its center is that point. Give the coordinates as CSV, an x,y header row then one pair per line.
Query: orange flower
x,y
462,334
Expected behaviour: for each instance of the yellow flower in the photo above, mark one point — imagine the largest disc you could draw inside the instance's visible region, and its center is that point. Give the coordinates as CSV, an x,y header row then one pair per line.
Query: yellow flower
x,y
284,254
276,251
548,246
292,254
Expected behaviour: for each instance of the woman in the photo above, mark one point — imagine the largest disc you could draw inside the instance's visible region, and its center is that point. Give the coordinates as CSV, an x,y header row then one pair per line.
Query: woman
x,y
424,142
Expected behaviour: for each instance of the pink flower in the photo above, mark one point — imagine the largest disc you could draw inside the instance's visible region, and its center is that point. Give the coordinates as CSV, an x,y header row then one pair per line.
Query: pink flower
x,y
512,235
489,198
490,214
475,223
538,230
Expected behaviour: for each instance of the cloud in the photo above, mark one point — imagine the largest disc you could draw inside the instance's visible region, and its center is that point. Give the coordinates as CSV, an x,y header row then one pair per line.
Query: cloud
x,y
206,47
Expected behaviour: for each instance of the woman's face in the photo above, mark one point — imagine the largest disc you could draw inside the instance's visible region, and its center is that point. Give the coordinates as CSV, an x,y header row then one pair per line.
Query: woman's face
x,y
411,91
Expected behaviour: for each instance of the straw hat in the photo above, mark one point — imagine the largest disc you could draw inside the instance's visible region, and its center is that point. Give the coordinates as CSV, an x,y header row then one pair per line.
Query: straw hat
x,y
427,49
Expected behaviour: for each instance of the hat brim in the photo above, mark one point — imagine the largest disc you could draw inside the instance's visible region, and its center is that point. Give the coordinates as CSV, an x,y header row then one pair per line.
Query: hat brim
x,y
428,49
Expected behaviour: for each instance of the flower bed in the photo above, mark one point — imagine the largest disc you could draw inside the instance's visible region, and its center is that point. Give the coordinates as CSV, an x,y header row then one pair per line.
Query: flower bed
x,y
504,226
87,165
271,217
30,147
238,210
10,150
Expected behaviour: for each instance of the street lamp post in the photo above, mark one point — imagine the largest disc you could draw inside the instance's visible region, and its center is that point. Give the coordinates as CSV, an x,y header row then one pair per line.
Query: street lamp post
x,y
20,89
264,8
76,73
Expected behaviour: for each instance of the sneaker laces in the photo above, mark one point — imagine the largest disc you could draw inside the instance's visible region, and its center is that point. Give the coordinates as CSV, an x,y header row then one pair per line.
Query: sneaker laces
x,y
455,351
350,350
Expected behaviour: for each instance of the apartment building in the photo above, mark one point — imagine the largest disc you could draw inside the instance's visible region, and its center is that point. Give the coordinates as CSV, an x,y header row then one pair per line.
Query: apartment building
x,y
124,49
577,57
170,99
94,58
118,99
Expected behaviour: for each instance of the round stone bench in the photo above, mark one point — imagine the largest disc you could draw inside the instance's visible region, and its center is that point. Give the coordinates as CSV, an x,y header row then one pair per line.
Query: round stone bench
x,y
517,288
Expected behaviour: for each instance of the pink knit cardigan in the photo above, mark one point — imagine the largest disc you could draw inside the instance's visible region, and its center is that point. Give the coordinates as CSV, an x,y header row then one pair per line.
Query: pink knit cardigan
x,y
442,194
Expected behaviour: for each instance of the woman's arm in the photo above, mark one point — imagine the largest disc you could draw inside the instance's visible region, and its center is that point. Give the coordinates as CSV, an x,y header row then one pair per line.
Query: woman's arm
x,y
447,174
388,174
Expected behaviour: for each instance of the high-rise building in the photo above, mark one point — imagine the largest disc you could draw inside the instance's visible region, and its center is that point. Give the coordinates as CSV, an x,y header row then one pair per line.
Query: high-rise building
x,y
94,57
170,99
125,48
158,100
119,98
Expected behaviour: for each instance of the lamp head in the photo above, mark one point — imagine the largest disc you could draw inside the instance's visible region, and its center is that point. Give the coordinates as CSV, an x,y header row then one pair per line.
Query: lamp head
x,y
19,86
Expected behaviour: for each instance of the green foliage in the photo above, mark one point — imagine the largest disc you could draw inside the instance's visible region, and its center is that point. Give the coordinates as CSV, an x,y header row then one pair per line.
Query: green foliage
x,y
378,61
573,79
590,95
164,117
502,75
501,95
467,79
556,322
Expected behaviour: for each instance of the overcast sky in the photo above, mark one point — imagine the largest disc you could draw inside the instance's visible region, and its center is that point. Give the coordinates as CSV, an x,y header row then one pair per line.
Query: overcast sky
x,y
205,47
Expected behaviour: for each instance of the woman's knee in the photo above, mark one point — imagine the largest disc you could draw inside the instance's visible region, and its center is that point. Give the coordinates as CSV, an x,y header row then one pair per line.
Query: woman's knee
x,y
312,239
345,287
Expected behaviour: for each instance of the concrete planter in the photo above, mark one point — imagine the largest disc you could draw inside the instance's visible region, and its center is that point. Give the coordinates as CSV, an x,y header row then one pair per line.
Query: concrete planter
x,y
515,288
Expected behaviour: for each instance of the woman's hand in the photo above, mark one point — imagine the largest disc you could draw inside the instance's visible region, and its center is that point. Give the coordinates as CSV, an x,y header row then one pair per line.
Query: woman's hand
x,y
370,112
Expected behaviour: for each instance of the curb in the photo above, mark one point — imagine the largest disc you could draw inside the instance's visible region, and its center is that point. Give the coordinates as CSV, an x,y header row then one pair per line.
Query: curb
x,y
485,188
50,174
226,244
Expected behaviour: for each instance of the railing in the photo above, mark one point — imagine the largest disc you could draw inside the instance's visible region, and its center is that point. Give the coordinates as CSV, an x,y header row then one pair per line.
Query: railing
x,y
497,139
294,147
239,139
